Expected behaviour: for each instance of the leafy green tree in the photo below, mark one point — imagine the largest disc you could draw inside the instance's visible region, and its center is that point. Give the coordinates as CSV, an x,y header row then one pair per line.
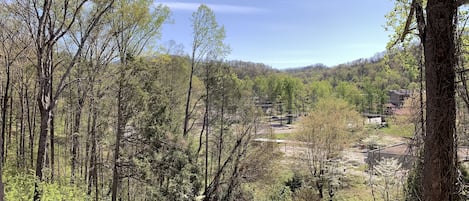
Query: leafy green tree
x,y
320,89
14,43
292,86
46,29
208,49
136,25
326,130
235,119
350,93
260,88
161,163
207,46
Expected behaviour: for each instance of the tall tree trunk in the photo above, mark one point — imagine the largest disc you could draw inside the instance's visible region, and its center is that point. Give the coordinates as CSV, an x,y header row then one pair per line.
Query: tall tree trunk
x,y
188,100
51,131
220,140
93,169
21,151
44,68
10,124
207,128
2,191
31,117
439,172
44,112
76,133
4,114
87,146
93,163
120,127
2,138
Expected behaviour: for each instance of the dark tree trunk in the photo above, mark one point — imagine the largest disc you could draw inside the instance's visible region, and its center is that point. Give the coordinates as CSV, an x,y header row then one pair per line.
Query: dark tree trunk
x,y
439,173
319,186
76,133
44,67
2,138
120,127
31,117
4,114
21,152
207,126
51,131
2,191
93,170
87,146
10,123
44,112
188,100
220,140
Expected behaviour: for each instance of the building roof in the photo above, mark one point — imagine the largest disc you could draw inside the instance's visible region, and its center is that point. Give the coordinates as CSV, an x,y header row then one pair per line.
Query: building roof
x,y
403,92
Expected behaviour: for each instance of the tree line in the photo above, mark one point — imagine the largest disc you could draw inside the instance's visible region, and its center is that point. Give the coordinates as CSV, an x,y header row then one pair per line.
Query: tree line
x,y
90,110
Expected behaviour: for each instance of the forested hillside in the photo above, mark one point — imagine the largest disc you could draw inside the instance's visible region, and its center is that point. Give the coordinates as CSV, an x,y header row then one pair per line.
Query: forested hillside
x,y
94,107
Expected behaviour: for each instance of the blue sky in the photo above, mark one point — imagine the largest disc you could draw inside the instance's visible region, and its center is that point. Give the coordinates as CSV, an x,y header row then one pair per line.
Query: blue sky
x,y
294,33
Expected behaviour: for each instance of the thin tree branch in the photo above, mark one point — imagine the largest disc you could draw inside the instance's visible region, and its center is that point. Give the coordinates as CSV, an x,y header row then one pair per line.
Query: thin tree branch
x,y
91,26
461,2
407,23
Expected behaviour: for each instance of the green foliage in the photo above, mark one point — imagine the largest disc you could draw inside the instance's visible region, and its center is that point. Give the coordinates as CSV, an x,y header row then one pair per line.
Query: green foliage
x,y
294,183
138,25
155,159
275,88
328,128
364,83
320,89
396,20
358,191
162,163
249,70
403,130
19,186
268,174
284,194
413,187
349,92
61,191
208,36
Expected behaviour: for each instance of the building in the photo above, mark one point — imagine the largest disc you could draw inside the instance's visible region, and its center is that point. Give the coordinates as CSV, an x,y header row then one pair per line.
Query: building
x,y
375,119
397,97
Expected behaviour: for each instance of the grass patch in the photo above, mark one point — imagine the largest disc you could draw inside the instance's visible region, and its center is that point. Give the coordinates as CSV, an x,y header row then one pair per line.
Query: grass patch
x,y
399,126
271,185
405,130
280,136
357,191
284,136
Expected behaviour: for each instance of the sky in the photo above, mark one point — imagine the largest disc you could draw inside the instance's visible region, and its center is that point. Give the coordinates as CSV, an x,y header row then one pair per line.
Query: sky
x,y
289,33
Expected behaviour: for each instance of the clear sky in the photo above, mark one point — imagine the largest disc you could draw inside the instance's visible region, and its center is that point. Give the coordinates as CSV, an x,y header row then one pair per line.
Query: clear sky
x,y
290,33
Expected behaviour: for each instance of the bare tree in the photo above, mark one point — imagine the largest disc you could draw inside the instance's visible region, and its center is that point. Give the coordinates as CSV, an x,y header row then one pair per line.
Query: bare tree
x,y
48,22
13,44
